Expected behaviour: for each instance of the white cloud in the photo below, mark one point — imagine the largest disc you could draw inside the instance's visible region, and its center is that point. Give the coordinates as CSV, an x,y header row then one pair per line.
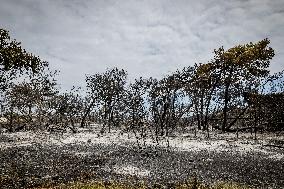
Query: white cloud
x,y
147,38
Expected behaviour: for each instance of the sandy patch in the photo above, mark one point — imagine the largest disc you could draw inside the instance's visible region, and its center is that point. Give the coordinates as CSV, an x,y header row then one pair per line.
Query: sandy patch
x,y
82,154
131,170
183,142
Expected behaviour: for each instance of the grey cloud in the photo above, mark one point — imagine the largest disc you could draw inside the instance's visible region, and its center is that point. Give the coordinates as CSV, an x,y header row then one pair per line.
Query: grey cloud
x,y
147,38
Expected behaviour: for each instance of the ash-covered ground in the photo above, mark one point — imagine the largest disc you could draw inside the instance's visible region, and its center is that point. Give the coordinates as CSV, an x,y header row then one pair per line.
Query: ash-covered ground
x,y
31,159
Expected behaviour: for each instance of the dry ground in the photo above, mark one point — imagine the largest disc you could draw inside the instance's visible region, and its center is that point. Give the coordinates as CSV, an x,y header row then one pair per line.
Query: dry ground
x,y
30,159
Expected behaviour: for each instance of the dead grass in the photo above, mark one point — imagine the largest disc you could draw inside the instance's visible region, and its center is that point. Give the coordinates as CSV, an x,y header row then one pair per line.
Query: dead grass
x,y
192,184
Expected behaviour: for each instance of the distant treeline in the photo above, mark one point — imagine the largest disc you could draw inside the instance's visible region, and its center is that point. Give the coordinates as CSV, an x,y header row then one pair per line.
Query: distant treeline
x,y
232,92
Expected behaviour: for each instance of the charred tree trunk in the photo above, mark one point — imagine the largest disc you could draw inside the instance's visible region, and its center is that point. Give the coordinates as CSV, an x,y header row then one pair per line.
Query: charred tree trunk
x,y
11,117
198,118
83,121
225,109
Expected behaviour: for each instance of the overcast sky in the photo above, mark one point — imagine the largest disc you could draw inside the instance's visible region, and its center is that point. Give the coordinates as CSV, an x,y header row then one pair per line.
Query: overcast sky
x,y
145,37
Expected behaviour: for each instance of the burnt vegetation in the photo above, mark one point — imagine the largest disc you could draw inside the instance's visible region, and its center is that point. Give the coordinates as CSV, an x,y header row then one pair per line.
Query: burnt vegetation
x,y
233,92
